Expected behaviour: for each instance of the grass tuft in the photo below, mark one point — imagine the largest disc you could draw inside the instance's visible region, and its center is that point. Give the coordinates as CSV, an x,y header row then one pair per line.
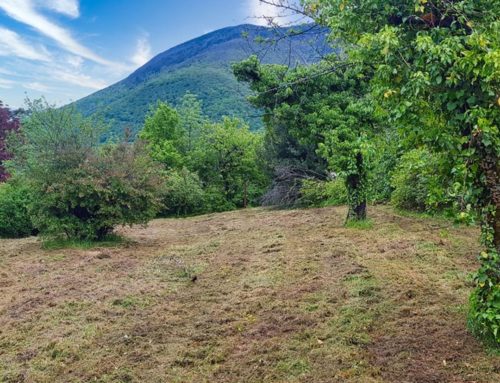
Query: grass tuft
x,y
366,224
112,240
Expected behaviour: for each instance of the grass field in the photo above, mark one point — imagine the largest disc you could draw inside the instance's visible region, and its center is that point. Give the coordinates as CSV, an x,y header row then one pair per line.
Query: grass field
x,y
247,296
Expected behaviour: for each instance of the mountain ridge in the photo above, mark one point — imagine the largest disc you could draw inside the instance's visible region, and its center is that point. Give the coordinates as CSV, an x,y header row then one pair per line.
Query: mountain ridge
x,y
202,66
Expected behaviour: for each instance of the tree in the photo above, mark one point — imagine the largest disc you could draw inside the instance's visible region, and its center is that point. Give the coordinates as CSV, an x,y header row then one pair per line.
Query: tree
x,y
437,72
325,112
226,159
164,135
8,123
191,119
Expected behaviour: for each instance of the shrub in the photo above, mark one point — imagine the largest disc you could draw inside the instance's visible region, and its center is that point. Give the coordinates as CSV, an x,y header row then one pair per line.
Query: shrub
x,y
484,312
118,185
323,193
83,189
418,182
15,222
184,194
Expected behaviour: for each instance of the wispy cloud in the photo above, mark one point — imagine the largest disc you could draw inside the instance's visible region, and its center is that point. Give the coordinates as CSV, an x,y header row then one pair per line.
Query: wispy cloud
x,y
143,51
36,86
79,79
6,84
11,44
74,61
69,8
25,12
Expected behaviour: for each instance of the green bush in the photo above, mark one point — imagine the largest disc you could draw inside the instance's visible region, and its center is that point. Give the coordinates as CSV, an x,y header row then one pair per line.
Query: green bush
x,y
484,312
323,193
216,201
384,158
184,194
83,189
418,182
119,185
15,222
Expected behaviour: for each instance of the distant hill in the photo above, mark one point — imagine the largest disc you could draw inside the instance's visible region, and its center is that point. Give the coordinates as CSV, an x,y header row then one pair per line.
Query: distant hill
x,y
202,66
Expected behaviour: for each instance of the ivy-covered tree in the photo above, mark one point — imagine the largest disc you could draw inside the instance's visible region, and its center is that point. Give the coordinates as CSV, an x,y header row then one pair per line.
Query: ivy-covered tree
x,y
326,110
437,71
8,123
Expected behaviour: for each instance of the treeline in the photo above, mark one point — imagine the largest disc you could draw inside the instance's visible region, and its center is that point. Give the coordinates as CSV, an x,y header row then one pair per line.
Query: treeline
x,y
65,183
209,166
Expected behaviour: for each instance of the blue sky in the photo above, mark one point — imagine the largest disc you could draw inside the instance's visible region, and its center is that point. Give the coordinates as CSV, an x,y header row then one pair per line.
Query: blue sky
x,y
67,49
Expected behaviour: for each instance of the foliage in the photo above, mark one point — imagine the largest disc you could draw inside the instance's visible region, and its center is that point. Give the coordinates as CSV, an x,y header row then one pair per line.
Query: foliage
x,y
384,159
418,182
191,119
52,141
323,193
315,114
226,159
15,197
184,194
437,73
162,132
8,123
118,185
484,313
82,190
212,166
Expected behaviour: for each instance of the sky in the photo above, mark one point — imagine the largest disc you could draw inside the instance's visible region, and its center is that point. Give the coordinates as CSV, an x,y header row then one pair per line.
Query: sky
x,y
67,49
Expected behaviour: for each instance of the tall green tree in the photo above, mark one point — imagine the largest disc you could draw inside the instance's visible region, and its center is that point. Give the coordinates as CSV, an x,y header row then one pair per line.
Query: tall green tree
x,y
191,119
164,135
9,123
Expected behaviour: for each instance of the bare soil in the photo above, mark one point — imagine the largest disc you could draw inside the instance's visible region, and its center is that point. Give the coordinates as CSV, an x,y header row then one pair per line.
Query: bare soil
x,y
248,296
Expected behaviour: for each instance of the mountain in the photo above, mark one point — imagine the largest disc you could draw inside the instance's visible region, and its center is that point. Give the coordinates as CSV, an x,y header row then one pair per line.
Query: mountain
x,y
203,66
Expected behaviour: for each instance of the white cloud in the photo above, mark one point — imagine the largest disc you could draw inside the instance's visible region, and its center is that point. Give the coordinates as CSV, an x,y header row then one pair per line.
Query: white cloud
x,y
24,11
6,84
74,61
69,8
11,44
36,86
6,72
265,14
143,51
79,79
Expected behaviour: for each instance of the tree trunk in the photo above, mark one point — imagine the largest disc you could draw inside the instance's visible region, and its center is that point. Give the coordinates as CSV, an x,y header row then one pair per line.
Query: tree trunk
x,y
356,190
491,169
245,195
357,212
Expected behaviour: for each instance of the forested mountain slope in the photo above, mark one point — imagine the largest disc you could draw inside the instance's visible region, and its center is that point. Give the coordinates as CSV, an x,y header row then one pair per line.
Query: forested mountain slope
x,y
203,66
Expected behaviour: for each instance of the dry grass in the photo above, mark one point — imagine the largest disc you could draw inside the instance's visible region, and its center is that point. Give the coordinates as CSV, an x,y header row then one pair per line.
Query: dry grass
x,y
279,296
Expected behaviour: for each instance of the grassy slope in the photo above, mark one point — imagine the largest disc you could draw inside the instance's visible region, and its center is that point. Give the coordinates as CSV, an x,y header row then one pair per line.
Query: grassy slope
x,y
281,296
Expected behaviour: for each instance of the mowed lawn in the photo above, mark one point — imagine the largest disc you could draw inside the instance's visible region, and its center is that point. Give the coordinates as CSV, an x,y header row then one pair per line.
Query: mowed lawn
x,y
248,296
